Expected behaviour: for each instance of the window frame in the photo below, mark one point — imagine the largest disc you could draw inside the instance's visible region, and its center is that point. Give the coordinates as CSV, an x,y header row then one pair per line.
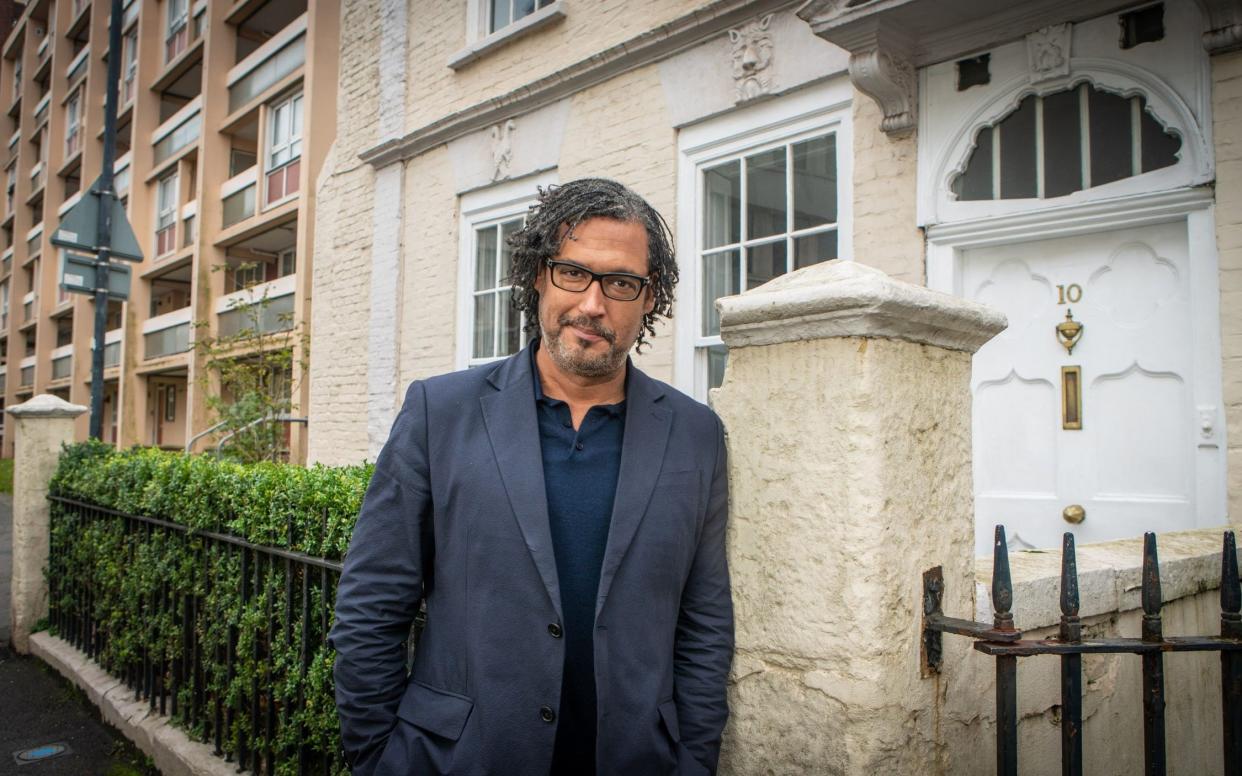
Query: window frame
x,y
166,217
129,65
273,146
490,206
811,112
73,123
174,27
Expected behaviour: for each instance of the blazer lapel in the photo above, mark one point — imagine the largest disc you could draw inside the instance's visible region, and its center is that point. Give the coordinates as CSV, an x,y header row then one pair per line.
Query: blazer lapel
x,y
513,428
642,456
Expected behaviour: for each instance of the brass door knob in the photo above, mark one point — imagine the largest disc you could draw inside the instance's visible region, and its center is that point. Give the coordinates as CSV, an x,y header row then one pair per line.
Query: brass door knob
x,y
1074,513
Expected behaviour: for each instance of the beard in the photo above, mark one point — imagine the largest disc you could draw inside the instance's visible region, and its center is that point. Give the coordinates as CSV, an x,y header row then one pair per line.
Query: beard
x,y
576,357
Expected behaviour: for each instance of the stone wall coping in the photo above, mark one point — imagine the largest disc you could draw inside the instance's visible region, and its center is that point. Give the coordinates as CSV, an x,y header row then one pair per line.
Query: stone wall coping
x,y
842,298
45,405
1109,576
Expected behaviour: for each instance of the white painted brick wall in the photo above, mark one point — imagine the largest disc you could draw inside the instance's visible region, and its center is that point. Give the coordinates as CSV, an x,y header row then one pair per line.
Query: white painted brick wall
x,y
1227,128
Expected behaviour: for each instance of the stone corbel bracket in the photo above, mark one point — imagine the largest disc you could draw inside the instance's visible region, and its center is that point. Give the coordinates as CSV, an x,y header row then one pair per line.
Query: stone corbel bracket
x,y
880,65
1224,25
842,298
890,81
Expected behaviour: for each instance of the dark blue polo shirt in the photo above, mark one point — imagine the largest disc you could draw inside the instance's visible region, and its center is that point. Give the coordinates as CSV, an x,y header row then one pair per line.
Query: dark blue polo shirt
x,y
580,475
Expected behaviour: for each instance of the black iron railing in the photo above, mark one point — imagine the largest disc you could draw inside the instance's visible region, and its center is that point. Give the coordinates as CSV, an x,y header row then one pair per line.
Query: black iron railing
x,y
1005,643
226,635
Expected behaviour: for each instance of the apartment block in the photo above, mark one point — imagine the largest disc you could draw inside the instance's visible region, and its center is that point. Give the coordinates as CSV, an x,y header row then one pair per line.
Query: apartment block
x,y
226,112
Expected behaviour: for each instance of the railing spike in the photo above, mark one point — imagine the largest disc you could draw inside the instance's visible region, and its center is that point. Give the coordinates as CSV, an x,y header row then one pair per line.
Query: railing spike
x,y
1071,626
1230,593
1002,584
1151,575
1152,628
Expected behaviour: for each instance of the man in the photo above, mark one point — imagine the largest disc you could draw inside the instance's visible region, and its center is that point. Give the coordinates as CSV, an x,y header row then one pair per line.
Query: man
x,y
562,515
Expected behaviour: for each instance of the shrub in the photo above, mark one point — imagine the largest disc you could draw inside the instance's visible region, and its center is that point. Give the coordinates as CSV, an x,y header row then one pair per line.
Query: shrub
x,y
170,596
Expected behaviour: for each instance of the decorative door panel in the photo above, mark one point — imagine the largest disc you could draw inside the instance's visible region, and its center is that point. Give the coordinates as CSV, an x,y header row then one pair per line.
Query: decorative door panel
x,y
1084,407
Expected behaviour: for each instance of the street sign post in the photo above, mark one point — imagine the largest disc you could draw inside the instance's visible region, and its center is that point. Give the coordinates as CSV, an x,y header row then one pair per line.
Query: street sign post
x,y
97,225
79,275
78,230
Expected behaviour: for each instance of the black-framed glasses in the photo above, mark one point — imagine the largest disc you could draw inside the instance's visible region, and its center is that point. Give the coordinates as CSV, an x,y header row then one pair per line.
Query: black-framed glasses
x,y
621,286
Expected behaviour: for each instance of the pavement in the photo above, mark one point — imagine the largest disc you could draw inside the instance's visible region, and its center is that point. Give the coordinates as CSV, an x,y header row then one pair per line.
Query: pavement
x,y
39,708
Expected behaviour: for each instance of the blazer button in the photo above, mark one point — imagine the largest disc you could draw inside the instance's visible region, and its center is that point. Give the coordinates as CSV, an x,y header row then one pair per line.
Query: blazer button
x,y
554,630
546,714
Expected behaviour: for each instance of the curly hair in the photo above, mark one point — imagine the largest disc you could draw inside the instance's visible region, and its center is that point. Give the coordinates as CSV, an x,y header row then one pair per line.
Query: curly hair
x,y
552,220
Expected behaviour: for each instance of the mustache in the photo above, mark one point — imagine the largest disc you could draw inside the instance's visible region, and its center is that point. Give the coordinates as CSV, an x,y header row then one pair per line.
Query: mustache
x,y
588,325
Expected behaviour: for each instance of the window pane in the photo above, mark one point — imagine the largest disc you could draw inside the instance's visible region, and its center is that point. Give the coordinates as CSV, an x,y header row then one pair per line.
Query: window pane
x,y
1062,144
815,182
722,276
717,358
722,187
484,326
485,258
510,326
764,262
765,192
976,182
1109,117
1017,152
523,8
814,248
500,14
1159,147
507,229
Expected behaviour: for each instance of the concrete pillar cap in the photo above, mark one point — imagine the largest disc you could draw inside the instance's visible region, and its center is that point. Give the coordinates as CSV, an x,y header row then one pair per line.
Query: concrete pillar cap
x,y
45,405
842,298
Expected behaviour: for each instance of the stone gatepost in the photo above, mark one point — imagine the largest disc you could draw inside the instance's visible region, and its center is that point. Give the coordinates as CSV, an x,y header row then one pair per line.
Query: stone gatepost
x,y
848,411
41,426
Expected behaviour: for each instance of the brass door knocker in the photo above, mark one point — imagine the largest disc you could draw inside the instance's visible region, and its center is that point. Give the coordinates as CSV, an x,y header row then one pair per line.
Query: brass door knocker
x,y
1069,331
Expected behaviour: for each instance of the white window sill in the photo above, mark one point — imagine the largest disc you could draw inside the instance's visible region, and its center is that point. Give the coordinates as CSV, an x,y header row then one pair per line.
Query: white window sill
x,y
503,37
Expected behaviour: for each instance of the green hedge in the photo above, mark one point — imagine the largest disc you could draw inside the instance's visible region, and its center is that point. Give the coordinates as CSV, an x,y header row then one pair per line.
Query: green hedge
x,y
305,509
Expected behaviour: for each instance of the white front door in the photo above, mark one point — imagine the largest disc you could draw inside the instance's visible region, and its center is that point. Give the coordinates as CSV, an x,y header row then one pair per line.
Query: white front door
x,y
1117,440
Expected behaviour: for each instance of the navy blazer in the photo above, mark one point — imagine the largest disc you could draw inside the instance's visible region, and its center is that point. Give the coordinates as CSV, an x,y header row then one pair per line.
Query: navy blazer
x,y
457,515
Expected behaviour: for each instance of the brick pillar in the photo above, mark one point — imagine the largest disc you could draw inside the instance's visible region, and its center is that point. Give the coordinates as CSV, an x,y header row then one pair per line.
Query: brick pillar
x,y
41,426
848,411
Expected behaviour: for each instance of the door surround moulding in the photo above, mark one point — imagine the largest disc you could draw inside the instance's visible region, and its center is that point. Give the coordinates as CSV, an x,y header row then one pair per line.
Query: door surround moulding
x,y
1070,219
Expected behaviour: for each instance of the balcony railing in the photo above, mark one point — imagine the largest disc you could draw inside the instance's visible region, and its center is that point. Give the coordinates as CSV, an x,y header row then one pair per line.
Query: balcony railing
x,y
167,334
44,49
34,242
238,197
262,309
42,109
26,378
77,66
62,367
181,130
112,347
283,54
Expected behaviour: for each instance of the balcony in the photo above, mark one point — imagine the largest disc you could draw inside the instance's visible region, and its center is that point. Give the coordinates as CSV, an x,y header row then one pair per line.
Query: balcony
x,y
62,363
41,111
178,133
29,302
44,49
34,242
28,370
112,347
167,334
268,65
237,195
266,308
77,67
